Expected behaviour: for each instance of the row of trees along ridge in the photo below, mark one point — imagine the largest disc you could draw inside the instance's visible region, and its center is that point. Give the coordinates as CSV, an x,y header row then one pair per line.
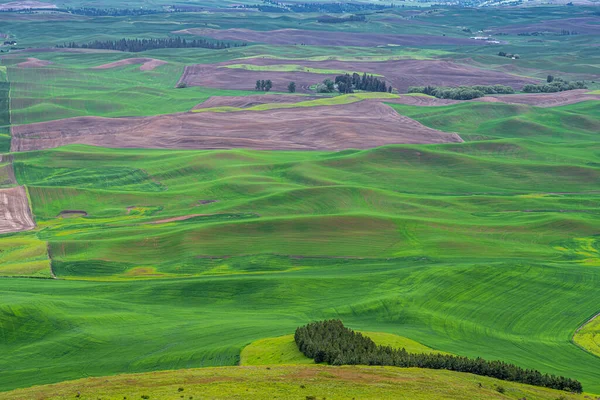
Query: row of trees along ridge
x,y
333,343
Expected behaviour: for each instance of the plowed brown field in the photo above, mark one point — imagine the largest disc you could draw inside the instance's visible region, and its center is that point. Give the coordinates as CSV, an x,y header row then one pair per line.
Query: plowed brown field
x,y
15,215
359,125
399,73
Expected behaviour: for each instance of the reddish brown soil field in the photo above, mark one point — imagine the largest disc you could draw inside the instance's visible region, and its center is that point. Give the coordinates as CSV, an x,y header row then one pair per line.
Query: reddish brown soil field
x,y
148,64
325,38
400,73
33,63
359,125
544,99
15,215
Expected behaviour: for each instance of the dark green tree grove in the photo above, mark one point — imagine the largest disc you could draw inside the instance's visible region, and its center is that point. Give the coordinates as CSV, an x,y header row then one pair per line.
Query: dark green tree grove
x,y
331,342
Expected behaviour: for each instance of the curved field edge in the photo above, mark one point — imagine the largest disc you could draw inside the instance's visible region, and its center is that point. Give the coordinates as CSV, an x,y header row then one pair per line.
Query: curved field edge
x,y
588,335
293,382
283,349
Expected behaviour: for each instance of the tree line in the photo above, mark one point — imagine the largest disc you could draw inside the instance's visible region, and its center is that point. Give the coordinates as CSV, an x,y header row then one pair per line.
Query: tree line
x,y
331,342
461,92
553,85
349,83
137,45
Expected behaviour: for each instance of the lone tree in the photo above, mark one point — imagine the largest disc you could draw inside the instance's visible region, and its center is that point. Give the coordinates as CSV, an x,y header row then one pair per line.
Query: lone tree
x,y
550,78
292,87
268,85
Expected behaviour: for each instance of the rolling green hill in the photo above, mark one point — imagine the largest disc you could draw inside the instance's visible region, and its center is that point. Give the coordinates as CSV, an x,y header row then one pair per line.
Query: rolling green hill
x,y
477,249
292,382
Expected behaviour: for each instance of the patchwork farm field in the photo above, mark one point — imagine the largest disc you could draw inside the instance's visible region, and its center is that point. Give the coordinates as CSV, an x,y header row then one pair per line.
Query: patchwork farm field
x,y
167,221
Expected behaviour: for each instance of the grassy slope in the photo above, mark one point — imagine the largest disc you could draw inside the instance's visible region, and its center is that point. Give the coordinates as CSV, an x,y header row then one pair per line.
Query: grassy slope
x,y
283,349
465,247
57,92
291,68
477,121
4,113
291,382
588,337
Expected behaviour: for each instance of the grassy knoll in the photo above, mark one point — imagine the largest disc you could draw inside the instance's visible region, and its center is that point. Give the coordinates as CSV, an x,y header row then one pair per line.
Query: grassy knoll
x,y
48,93
283,349
292,68
588,337
292,382
477,121
327,101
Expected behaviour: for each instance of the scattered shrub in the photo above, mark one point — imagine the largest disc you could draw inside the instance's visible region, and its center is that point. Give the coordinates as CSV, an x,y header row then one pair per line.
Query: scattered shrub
x,y
500,389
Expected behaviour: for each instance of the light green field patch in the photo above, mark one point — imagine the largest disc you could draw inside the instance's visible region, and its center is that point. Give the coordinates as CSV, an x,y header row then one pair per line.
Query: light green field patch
x,y
399,342
588,336
271,351
594,92
327,101
24,256
399,54
283,349
293,68
3,76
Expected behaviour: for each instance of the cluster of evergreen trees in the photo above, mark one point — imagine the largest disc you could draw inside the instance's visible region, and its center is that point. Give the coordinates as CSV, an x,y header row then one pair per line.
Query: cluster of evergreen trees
x,y
461,92
554,85
349,83
137,45
333,343
263,85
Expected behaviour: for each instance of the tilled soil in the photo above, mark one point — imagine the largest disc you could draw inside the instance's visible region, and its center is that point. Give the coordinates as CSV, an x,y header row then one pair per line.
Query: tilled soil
x,y
401,74
15,214
359,125
544,99
33,63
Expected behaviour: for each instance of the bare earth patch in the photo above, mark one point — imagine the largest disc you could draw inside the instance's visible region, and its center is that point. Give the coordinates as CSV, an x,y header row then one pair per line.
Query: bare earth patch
x,y
360,125
399,73
15,215
33,63
544,99
148,64
325,38
24,5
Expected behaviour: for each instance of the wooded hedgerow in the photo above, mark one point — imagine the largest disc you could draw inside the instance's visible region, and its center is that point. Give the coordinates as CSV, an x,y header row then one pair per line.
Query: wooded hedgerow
x,y
333,343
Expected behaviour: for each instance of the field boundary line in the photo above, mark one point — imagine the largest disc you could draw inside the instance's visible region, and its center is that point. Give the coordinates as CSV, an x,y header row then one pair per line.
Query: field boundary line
x,y
52,274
